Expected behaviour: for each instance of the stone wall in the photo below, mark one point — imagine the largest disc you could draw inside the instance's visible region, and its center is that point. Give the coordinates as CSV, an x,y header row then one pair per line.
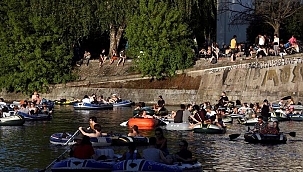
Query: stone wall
x,y
248,81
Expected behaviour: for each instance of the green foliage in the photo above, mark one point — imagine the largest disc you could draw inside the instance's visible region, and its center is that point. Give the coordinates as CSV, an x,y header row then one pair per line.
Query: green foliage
x,y
32,49
158,31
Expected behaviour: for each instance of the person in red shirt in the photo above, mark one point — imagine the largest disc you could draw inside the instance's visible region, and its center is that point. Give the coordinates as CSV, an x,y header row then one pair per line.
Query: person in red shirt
x,y
85,150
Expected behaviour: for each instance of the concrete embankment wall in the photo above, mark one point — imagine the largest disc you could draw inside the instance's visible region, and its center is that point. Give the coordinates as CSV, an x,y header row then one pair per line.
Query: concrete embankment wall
x,y
248,81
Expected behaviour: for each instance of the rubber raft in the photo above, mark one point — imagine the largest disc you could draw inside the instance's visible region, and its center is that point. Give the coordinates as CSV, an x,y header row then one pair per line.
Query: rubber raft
x,y
63,138
14,120
145,165
265,138
178,126
143,123
209,129
121,140
150,111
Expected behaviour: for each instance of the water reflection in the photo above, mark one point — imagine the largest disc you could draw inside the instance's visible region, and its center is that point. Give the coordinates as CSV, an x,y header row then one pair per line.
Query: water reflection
x,y
27,148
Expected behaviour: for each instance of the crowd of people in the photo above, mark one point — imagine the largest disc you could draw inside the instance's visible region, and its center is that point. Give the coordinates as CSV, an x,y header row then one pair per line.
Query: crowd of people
x,y
112,57
94,99
263,46
35,106
157,150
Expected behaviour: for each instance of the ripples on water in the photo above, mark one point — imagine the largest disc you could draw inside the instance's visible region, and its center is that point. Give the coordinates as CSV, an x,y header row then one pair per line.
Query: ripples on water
x,y
27,148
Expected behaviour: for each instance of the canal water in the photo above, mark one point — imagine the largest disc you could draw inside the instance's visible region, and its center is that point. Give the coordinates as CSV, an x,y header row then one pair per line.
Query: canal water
x,y
27,148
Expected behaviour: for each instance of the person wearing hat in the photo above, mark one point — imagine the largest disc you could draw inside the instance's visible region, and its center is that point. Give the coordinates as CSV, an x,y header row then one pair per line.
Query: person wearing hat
x,y
135,131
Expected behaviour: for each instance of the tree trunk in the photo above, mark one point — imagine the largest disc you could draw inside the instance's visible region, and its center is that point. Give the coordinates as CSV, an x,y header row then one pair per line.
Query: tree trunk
x,y
115,37
112,39
277,29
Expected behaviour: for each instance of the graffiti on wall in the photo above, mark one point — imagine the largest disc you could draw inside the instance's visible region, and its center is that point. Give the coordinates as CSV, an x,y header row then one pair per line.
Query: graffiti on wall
x,y
260,65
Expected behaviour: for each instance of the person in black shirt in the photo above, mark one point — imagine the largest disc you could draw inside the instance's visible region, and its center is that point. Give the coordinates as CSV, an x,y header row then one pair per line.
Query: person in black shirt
x,y
265,110
160,104
178,116
223,99
184,155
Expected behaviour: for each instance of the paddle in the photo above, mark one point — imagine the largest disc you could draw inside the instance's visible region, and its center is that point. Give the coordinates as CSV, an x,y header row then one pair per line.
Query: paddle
x,y
292,134
72,137
234,136
61,154
57,159
124,124
161,119
286,98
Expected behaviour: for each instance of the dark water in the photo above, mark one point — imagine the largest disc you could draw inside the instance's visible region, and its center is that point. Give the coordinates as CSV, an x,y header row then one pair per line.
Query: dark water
x,y
27,148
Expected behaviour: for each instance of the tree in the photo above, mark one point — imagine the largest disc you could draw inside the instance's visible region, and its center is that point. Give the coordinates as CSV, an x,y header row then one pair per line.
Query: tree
x,y
272,12
200,17
33,52
111,17
159,39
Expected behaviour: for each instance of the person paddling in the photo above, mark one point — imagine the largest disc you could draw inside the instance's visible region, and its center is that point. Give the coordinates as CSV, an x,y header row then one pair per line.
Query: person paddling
x,y
260,126
92,123
97,133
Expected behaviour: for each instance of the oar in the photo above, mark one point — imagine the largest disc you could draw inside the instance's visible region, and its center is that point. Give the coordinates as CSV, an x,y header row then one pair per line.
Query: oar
x,y
61,154
53,161
124,124
292,134
72,137
234,136
161,119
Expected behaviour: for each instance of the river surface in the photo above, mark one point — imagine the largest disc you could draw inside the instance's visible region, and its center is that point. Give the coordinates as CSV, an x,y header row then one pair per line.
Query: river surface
x,y
27,148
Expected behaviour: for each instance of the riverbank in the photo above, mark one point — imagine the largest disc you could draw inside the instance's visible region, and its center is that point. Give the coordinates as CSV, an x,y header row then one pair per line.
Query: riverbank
x,y
247,80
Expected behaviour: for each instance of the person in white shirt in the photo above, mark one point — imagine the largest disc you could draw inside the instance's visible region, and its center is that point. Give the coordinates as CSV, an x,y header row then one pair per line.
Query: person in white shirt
x,y
261,40
86,99
153,154
276,44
